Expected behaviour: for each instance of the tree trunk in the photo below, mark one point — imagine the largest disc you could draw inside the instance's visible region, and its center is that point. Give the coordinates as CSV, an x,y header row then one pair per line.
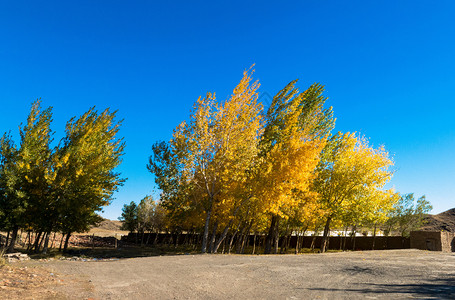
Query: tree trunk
x,y
156,238
285,240
36,241
345,237
41,242
238,243
53,240
325,236
32,236
300,237
46,242
185,240
170,240
61,243
205,237
13,239
288,241
254,243
283,243
199,239
27,238
246,239
213,238
313,241
232,239
270,236
7,239
176,242
229,243
148,237
354,229
223,235
297,242
276,238
224,246
302,240
68,235
374,236
12,243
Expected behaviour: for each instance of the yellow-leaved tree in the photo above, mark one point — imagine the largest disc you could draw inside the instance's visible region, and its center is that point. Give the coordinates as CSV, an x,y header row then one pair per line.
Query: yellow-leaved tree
x,y
350,176
207,161
296,130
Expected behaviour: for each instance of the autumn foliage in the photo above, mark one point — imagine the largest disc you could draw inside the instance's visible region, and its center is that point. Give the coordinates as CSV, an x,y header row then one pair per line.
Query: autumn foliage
x,y
233,169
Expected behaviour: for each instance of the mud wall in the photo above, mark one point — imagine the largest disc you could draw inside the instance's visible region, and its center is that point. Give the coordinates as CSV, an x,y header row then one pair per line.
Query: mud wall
x,y
335,243
433,240
424,240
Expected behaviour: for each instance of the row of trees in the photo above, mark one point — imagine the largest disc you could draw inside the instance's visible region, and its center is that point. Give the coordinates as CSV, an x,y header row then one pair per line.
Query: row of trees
x,y
408,214
234,169
45,188
147,217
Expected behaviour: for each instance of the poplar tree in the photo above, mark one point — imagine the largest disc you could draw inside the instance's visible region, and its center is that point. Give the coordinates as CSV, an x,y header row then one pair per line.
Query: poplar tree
x,y
350,173
31,175
85,176
208,157
12,204
297,126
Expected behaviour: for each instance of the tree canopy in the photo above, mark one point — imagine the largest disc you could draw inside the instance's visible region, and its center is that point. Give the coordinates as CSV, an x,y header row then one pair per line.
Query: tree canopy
x,y
61,188
233,168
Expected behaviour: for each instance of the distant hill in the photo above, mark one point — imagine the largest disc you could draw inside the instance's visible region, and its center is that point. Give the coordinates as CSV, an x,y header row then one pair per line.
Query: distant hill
x,y
444,221
107,224
106,228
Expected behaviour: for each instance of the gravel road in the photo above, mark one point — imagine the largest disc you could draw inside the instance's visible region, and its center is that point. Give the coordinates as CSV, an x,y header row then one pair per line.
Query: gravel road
x,y
390,274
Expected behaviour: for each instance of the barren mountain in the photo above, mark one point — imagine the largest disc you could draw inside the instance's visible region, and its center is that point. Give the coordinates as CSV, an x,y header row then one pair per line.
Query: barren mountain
x,y
444,221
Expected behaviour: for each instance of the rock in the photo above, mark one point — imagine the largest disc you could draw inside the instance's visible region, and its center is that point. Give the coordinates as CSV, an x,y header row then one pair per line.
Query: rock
x,y
14,257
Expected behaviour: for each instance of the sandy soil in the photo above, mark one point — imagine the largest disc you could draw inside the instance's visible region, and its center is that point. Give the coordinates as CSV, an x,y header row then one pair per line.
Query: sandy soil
x,y
392,274
25,281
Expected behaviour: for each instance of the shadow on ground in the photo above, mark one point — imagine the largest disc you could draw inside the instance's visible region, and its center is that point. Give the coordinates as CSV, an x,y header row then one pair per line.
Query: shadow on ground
x,y
438,288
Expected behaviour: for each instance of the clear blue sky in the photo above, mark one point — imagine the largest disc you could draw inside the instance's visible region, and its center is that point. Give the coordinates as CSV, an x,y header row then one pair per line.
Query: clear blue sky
x,y
388,68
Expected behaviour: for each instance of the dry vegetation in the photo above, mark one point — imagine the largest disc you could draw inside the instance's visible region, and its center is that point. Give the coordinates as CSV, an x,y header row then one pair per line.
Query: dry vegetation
x,y
107,228
25,282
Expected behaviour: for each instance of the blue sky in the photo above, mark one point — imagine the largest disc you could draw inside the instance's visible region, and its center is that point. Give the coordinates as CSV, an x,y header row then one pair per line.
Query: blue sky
x,y
388,68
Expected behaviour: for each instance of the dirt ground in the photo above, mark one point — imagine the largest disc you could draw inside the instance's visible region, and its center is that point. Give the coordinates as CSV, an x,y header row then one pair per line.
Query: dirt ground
x,y
28,281
390,274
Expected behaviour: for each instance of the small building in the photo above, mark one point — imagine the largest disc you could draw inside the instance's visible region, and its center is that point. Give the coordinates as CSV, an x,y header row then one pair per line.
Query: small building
x,y
433,240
